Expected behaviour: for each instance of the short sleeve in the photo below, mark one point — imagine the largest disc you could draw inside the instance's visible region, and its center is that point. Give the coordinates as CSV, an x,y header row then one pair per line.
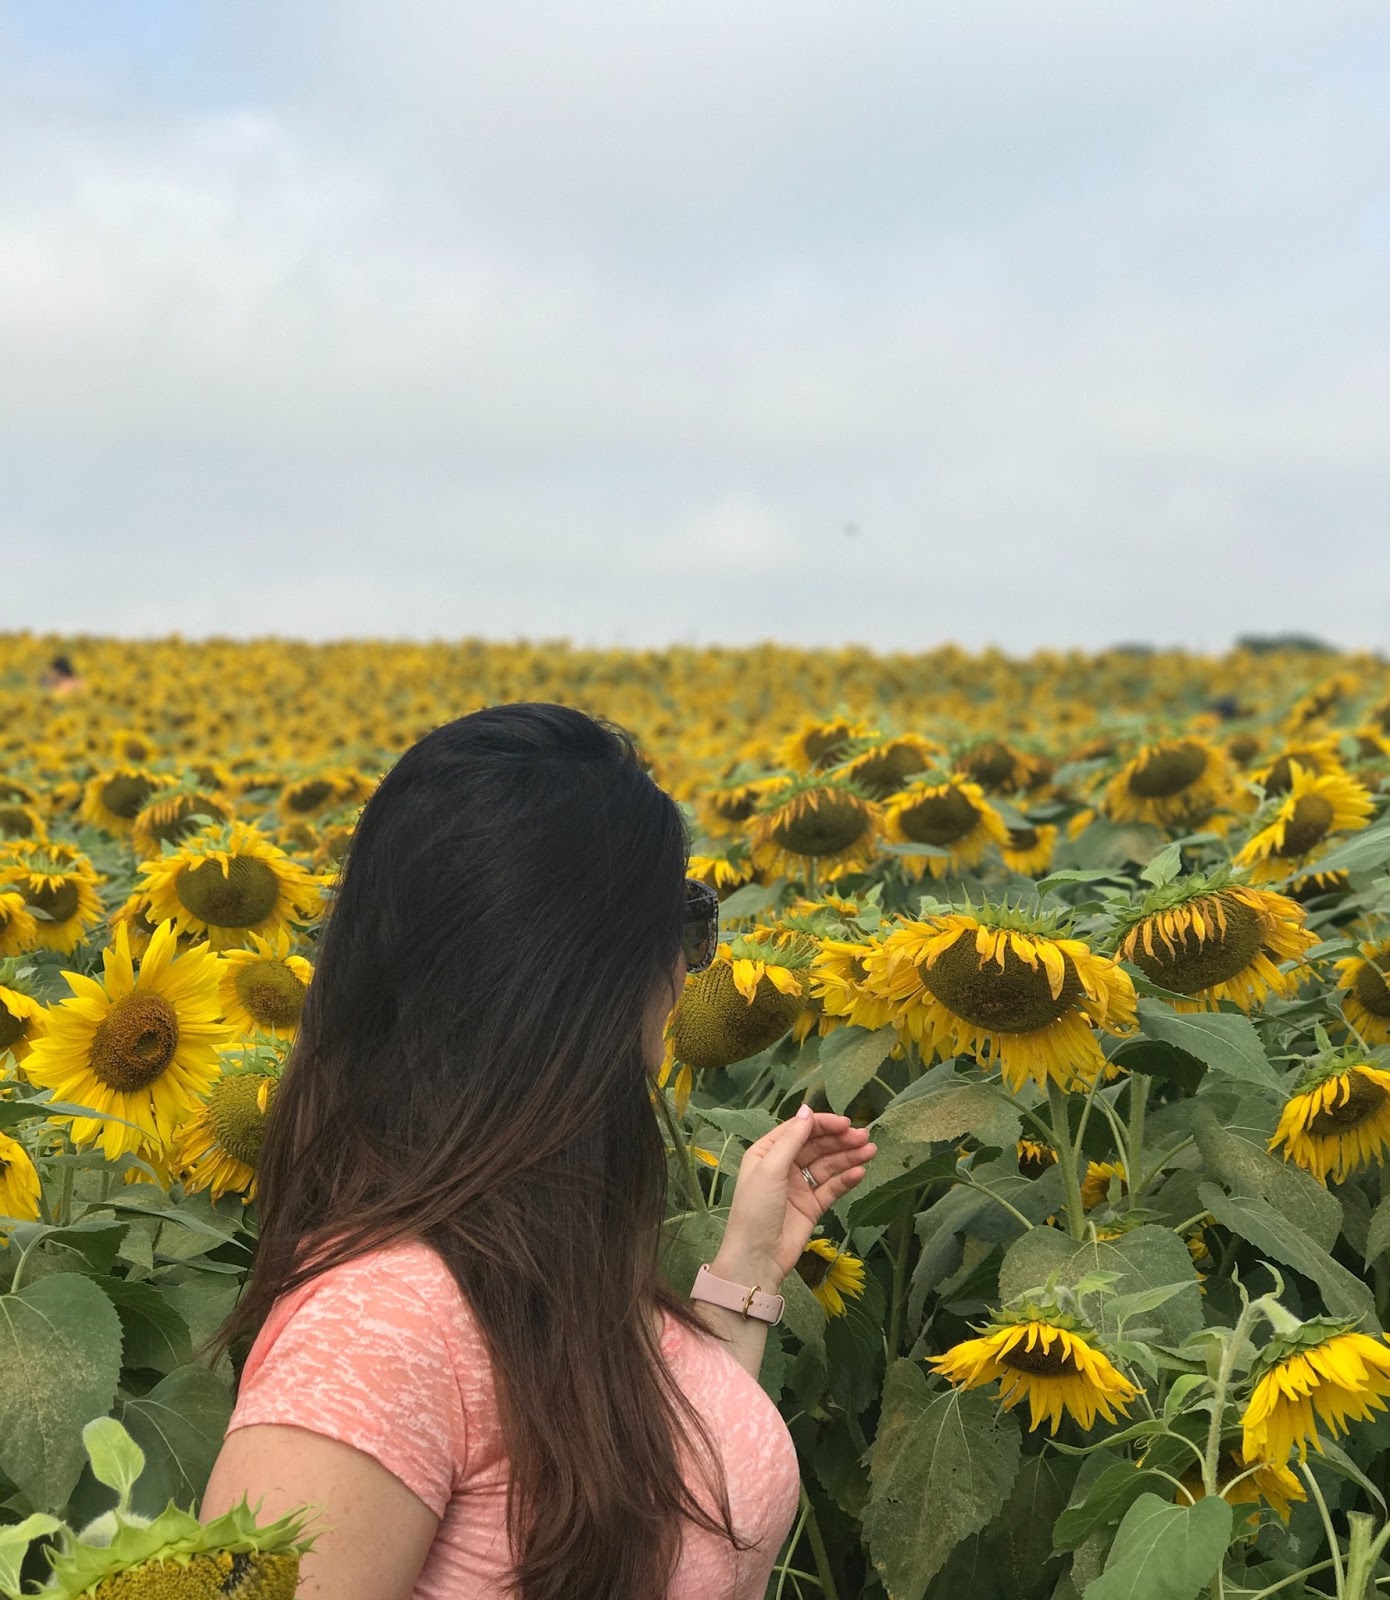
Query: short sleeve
x,y
361,1356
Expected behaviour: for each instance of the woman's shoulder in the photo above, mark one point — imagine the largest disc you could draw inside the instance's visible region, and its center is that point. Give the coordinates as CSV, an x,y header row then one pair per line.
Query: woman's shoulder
x,y
406,1279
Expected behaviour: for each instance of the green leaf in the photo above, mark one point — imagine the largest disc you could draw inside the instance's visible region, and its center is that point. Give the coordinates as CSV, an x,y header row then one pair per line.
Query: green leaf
x,y
941,1468
1378,1235
1020,1540
1343,1293
14,1546
949,1112
60,1358
1165,866
1248,1169
179,1424
153,1333
1225,1041
750,1126
1163,1551
849,1059
116,1459
804,1315
896,1177
749,901
1368,848
95,1239
1106,1500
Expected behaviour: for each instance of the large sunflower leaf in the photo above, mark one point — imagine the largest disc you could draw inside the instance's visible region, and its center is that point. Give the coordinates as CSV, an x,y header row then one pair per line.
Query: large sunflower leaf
x,y
955,1109
1225,1041
941,1467
1365,850
1163,1551
60,1358
849,1058
1247,1169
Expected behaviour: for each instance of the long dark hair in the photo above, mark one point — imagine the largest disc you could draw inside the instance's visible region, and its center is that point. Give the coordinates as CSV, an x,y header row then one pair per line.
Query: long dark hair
x,y
469,1070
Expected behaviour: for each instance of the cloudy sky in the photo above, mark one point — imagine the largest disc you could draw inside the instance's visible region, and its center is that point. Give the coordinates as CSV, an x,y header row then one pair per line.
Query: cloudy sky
x,y
634,321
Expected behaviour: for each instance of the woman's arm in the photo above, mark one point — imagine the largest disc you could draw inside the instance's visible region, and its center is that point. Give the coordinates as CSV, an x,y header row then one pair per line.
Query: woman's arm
x,y
378,1532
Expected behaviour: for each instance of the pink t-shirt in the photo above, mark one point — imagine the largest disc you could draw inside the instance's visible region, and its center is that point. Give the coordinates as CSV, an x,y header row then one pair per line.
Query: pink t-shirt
x,y
383,1354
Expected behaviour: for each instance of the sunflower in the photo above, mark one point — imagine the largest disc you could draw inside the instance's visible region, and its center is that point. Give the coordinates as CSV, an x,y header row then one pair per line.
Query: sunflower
x,y
112,800
228,885
1212,940
21,821
997,767
1338,1118
724,809
720,1019
723,868
1318,756
1173,784
1314,809
1322,1372
19,931
219,1147
172,815
1095,1186
838,982
22,1018
1056,1368
135,915
141,1048
885,765
323,791
953,816
59,889
1035,1157
831,1274
19,1183
1242,1483
823,828
263,988
1366,1002
819,744
1003,985
1028,850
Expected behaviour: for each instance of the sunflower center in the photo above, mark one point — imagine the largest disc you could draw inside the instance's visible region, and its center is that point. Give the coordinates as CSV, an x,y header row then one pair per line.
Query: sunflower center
x,y
834,824
59,900
12,1028
811,1268
1312,816
882,771
1017,999
823,745
309,796
1054,1362
272,994
15,822
1168,771
237,1118
991,765
1279,779
176,821
734,807
1366,1098
939,819
135,1042
125,794
1023,838
245,896
1370,989
1200,961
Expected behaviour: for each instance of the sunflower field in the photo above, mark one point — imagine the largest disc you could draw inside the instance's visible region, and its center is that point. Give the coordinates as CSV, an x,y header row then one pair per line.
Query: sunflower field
x,y
1099,946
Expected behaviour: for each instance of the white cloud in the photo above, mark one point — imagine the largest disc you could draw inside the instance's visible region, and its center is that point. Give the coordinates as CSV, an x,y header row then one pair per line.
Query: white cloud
x,y
609,321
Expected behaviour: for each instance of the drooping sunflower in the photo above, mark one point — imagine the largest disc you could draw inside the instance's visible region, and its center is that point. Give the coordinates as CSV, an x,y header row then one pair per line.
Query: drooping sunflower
x,y
1095,1186
19,1184
142,1048
1366,995
19,931
1314,809
1243,1483
229,884
21,821
1028,850
821,827
22,1017
885,765
819,743
1176,783
723,865
112,800
831,1274
219,1147
1213,940
838,980
58,885
1053,1362
996,766
724,808
1035,1157
1318,756
953,816
319,792
1003,985
1338,1118
171,815
721,1018
264,988
1324,1372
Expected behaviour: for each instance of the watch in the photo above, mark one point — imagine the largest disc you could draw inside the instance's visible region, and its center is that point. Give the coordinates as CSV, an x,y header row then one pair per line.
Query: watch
x,y
748,1302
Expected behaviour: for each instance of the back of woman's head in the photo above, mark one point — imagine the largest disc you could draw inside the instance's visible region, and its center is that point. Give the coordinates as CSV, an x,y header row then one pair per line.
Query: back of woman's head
x,y
470,1069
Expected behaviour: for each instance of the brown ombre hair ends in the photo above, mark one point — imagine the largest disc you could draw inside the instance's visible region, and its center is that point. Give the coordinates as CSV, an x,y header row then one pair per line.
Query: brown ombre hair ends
x,y
469,1071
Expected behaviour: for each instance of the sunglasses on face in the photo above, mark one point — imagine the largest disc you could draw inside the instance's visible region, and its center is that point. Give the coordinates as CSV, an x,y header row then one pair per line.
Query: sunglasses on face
x,y
700,925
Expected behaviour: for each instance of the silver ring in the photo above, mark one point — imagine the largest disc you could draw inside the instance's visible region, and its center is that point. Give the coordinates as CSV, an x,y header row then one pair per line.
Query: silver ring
x,y
811,1181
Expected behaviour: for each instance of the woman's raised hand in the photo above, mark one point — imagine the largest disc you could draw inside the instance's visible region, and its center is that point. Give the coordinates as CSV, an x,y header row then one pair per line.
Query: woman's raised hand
x,y
775,1210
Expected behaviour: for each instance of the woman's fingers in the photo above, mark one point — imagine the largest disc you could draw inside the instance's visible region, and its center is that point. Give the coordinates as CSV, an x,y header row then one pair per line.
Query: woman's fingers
x,y
837,1161
827,1144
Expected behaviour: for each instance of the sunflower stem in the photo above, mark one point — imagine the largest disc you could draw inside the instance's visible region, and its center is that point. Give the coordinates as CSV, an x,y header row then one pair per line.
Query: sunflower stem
x,y
1362,1554
1229,1355
1334,1546
902,1240
65,1198
1066,1159
823,1573
1138,1105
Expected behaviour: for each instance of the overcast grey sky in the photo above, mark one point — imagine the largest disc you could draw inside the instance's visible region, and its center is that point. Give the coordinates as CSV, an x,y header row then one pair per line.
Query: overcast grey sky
x,y
632,321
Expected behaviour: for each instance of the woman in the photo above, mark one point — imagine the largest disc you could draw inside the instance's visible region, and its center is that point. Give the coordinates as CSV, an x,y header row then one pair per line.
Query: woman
x,y
463,1350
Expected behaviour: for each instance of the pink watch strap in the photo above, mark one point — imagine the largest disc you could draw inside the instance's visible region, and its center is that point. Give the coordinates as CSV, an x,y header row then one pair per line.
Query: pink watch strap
x,y
750,1302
